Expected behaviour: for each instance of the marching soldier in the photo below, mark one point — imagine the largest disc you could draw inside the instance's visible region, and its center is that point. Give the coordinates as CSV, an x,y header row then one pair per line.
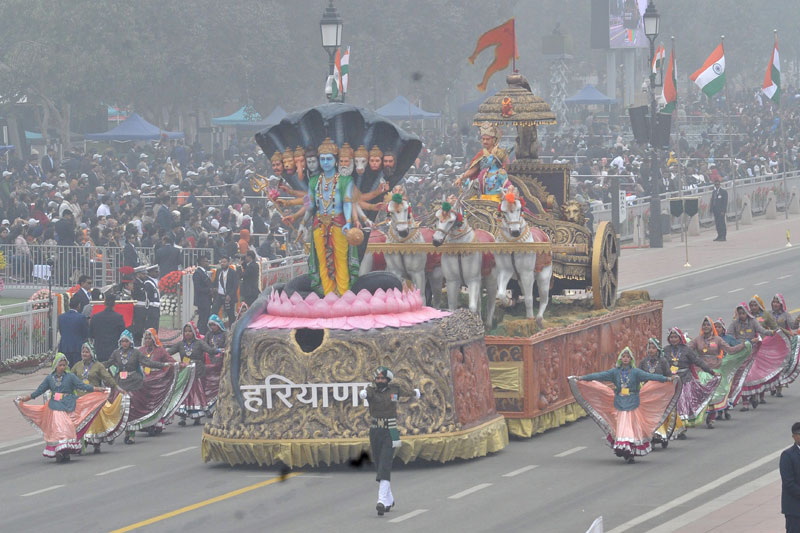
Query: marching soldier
x,y
383,435
153,308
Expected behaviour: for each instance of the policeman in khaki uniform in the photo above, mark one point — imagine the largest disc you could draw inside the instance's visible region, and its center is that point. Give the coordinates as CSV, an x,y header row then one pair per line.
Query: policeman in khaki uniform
x,y
383,435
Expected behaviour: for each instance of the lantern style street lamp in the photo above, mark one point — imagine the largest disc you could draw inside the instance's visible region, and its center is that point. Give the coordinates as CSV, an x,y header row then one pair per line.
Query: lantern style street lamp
x,y
330,27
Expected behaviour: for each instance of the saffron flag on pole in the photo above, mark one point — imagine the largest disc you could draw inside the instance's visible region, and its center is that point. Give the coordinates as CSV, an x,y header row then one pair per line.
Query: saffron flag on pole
x,y
345,69
504,40
772,79
711,76
670,84
658,58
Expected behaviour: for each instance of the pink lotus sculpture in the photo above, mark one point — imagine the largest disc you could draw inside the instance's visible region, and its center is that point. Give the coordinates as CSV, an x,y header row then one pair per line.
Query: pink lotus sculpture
x,y
390,308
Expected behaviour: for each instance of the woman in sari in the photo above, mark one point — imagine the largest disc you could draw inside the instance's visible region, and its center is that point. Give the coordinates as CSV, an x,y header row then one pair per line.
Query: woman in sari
x,y
696,390
630,413
655,363
724,359
65,417
193,349
217,338
153,349
112,419
147,399
732,378
788,325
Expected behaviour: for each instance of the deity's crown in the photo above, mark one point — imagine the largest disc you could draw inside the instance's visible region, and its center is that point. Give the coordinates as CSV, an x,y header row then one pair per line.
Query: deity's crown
x,y
346,151
375,152
276,157
328,147
361,151
490,130
288,154
299,152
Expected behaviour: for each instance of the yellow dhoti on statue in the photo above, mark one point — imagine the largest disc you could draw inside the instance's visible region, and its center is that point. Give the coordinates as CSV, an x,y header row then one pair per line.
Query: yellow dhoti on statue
x,y
331,247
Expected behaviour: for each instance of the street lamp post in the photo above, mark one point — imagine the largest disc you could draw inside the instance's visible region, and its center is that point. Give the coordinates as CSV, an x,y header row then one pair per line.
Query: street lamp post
x,y
331,30
651,21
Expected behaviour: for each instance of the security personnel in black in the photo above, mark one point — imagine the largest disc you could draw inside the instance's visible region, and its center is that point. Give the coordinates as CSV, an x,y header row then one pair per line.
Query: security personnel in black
x,y
140,305
383,435
153,308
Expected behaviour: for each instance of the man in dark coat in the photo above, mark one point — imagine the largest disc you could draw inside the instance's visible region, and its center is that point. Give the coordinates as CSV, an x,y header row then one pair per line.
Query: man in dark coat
x,y
168,257
719,206
790,479
202,294
130,257
249,286
83,296
74,329
105,329
225,287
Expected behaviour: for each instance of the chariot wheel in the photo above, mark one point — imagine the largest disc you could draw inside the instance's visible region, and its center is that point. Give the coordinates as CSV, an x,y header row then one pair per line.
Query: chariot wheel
x,y
605,266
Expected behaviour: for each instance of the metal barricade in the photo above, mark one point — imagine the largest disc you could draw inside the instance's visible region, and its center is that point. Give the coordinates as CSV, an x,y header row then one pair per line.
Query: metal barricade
x,y
24,330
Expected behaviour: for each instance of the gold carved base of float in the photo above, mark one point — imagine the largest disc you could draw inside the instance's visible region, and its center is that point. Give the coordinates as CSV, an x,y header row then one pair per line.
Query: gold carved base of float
x,y
309,413
477,441
528,427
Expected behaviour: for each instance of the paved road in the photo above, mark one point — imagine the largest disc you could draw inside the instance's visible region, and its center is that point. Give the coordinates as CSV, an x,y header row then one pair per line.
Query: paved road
x,y
558,481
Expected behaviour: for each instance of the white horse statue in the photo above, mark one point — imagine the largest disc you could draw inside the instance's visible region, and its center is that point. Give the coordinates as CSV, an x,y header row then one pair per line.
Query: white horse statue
x,y
525,267
474,269
415,267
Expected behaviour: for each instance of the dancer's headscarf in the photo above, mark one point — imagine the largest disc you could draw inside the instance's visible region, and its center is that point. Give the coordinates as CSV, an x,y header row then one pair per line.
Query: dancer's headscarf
x,y
629,352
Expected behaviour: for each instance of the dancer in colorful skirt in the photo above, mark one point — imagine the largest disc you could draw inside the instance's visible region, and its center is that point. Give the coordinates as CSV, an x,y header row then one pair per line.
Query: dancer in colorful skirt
x,y
112,419
788,325
734,368
193,349
382,396
65,417
217,338
696,391
155,380
147,399
655,363
630,413
712,349
759,312
745,327
153,349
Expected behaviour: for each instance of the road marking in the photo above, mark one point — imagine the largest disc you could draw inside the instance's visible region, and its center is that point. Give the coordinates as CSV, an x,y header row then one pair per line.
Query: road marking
x,y
570,451
760,283
115,470
469,491
198,505
304,476
21,448
691,495
519,471
176,452
793,311
24,440
682,306
785,276
34,493
736,290
406,516
718,503
710,298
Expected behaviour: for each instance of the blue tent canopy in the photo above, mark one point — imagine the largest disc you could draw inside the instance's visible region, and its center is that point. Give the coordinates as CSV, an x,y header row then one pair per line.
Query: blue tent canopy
x,y
273,118
134,128
401,109
244,115
589,95
471,107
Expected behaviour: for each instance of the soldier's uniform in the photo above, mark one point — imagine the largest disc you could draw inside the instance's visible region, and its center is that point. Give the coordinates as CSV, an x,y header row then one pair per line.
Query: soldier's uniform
x,y
383,434
139,308
153,307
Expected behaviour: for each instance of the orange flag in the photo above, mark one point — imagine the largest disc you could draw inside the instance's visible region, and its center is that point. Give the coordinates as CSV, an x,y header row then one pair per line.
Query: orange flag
x,y
504,39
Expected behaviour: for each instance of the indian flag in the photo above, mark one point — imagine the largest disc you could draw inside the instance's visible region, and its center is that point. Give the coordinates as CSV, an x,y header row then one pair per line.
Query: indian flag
x,y
658,58
711,76
670,84
345,69
772,79
336,86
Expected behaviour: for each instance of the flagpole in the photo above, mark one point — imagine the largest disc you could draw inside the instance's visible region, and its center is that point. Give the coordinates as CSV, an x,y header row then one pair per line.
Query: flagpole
x,y
783,142
730,140
514,53
685,221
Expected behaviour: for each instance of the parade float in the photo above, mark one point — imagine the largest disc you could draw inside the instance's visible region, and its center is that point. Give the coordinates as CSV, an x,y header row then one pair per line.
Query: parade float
x,y
299,357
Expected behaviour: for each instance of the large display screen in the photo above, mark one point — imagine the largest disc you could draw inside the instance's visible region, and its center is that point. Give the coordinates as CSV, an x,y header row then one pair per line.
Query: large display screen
x,y
625,25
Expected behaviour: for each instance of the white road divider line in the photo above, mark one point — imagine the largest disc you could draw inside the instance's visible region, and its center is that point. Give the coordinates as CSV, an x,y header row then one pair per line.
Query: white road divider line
x,y
570,451
785,276
519,471
682,306
718,503
48,489
469,491
760,283
710,298
21,448
691,495
406,516
736,290
115,470
176,452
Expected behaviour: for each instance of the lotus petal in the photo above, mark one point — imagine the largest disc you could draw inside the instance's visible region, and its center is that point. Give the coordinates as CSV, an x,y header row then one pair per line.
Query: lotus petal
x,y
321,309
331,298
364,295
295,298
302,309
388,320
348,297
312,298
377,304
283,297
341,308
361,322
359,308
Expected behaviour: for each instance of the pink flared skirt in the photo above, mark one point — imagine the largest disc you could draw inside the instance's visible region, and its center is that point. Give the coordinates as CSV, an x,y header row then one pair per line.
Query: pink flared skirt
x,y
63,431
769,362
627,431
